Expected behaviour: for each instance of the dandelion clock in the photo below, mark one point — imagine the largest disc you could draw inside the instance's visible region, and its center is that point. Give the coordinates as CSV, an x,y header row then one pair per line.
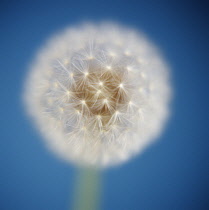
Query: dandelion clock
x,y
99,94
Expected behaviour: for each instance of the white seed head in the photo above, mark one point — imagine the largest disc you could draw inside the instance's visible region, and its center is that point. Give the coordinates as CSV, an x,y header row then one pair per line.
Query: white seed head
x,y
91,97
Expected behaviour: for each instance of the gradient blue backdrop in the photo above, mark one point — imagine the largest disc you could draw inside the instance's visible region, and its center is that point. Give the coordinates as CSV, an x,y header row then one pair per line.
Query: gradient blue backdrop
x,y
171,174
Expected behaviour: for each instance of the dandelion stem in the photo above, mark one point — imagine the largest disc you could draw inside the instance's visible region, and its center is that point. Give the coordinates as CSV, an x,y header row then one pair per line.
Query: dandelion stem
x,y
87,190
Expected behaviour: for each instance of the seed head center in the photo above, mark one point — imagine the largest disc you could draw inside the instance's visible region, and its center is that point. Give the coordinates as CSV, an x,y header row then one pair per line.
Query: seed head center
x,y
101,94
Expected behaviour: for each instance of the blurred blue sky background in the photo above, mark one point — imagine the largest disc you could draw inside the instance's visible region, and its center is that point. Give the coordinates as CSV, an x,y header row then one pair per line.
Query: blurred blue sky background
x,y
172,174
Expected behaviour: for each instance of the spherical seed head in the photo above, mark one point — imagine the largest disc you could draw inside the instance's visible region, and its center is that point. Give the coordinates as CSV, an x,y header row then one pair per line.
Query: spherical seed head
x,y
92,98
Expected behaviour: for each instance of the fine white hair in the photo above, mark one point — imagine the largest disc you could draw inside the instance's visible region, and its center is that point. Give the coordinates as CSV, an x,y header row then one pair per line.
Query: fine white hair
x,y
98,93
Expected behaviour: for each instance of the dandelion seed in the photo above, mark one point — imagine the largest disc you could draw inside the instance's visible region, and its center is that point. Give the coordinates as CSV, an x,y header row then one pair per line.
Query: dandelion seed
x,y
61,110
127,53
66,61
77,111
143,75
105,101
121,85
86,73
128,68
117,112
83,102
112,54
97,106
101,83
109,67
99,117
90,57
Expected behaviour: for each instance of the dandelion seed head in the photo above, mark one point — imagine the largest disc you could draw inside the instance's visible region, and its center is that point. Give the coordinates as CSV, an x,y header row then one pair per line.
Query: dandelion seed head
x,y
99,94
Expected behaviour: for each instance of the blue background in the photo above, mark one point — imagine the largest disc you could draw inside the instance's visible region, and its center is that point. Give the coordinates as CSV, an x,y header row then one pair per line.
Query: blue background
x,y
171,174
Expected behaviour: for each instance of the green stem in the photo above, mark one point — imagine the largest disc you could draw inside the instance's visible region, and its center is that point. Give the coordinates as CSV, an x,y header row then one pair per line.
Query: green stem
x,y
88,190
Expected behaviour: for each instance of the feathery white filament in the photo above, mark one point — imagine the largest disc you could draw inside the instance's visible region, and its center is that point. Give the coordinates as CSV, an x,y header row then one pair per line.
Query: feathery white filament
x,y
98,93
